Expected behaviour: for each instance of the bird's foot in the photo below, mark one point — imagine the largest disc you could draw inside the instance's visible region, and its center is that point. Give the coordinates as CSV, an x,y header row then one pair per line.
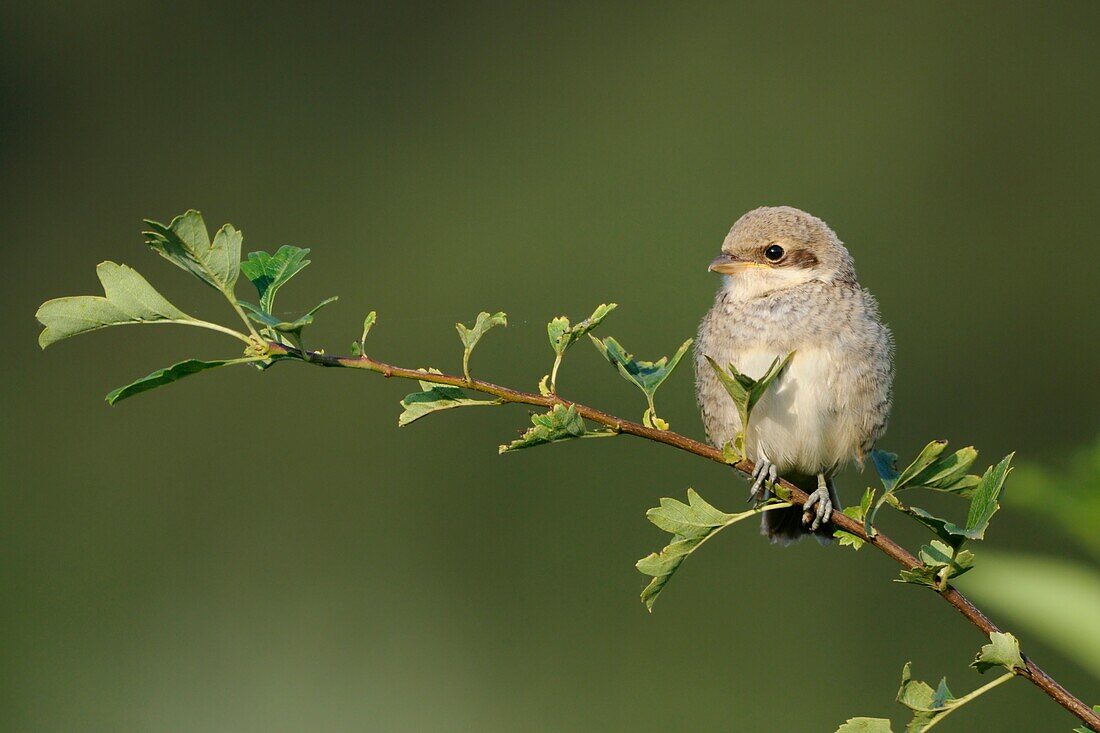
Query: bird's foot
x,y
818,509
765,473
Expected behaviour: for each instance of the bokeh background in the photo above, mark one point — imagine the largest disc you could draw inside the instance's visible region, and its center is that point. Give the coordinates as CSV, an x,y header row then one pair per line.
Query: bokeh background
x,y
268,552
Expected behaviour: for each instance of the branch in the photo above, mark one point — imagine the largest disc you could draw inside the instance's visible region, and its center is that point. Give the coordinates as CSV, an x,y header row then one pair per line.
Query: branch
x,y
896,552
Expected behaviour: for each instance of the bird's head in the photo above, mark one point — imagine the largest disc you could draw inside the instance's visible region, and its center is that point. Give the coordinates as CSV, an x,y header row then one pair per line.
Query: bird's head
x,y
778,247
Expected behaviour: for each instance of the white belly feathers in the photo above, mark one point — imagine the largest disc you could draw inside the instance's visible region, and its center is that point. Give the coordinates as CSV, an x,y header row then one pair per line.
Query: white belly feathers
x,y
798,424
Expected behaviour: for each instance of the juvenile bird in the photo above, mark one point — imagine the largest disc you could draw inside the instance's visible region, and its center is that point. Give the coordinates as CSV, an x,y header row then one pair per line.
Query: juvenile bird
x,y
789,285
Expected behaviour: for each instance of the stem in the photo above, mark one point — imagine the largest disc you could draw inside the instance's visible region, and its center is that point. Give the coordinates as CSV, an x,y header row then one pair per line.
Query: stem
x,y
945,574
213,327
240,312
554,373
959,702
891,549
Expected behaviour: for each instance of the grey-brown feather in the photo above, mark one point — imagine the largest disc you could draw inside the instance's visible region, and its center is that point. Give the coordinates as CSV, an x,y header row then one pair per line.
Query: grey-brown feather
x,y
832,403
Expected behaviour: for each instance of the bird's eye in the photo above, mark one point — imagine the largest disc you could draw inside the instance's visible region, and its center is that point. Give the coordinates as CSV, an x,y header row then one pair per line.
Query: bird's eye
x,y
774,253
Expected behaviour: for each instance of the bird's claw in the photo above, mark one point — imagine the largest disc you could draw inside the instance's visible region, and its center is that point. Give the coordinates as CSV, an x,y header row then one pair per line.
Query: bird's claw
x,y
763,474
818,509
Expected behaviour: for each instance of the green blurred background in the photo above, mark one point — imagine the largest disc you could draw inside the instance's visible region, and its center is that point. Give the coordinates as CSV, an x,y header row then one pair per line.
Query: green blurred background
x,y
267,552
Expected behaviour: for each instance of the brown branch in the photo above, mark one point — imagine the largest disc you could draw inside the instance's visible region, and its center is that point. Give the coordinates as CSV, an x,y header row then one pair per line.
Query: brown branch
x,y
896,552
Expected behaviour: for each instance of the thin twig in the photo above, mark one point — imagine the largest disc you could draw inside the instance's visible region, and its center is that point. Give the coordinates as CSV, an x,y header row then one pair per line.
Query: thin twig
x,y
896,552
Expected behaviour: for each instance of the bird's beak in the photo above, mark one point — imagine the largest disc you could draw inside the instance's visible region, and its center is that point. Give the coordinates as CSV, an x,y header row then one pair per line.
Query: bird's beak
x,y
727,264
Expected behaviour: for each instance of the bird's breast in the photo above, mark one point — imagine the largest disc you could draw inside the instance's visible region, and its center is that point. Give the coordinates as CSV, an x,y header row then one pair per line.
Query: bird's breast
x,y
800,424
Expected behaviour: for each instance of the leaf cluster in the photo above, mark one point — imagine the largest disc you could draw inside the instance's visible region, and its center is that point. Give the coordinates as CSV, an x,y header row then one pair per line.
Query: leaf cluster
x,y
691,525
560,423
563,334
928,705
647,376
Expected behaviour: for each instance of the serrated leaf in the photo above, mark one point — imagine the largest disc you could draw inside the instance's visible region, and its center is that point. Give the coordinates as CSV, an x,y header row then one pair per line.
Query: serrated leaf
x,y
470,336
128,299
690,524
168,375
563,335
368,323
914,694
270,272
645,375
948,473
1003,650
927,457
690,521
744,390
292,328
984,502
560,423
937,565
433,398
856,512
866,725
733,452
925,703
185,243
983,505
946,530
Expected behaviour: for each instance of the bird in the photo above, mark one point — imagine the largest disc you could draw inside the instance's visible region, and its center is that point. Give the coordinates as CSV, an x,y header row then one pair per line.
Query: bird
x,y
789,286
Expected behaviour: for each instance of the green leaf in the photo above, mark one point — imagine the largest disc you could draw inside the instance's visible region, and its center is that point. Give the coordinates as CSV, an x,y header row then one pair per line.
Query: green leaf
x,y
270,272
291,328
470,336
949,474
484,322
368,323
984,502
1051,598
927,457
733,452
930,706
691,525
857,512
937,565
645,375
925,703
561,423
129,298
983,505
866,725
185,243
693,520
930,470
563,335
745,391
171,374
1003,650
433,398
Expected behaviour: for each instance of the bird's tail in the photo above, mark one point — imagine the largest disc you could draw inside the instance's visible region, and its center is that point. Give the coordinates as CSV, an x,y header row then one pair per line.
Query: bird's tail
x,y
785,525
